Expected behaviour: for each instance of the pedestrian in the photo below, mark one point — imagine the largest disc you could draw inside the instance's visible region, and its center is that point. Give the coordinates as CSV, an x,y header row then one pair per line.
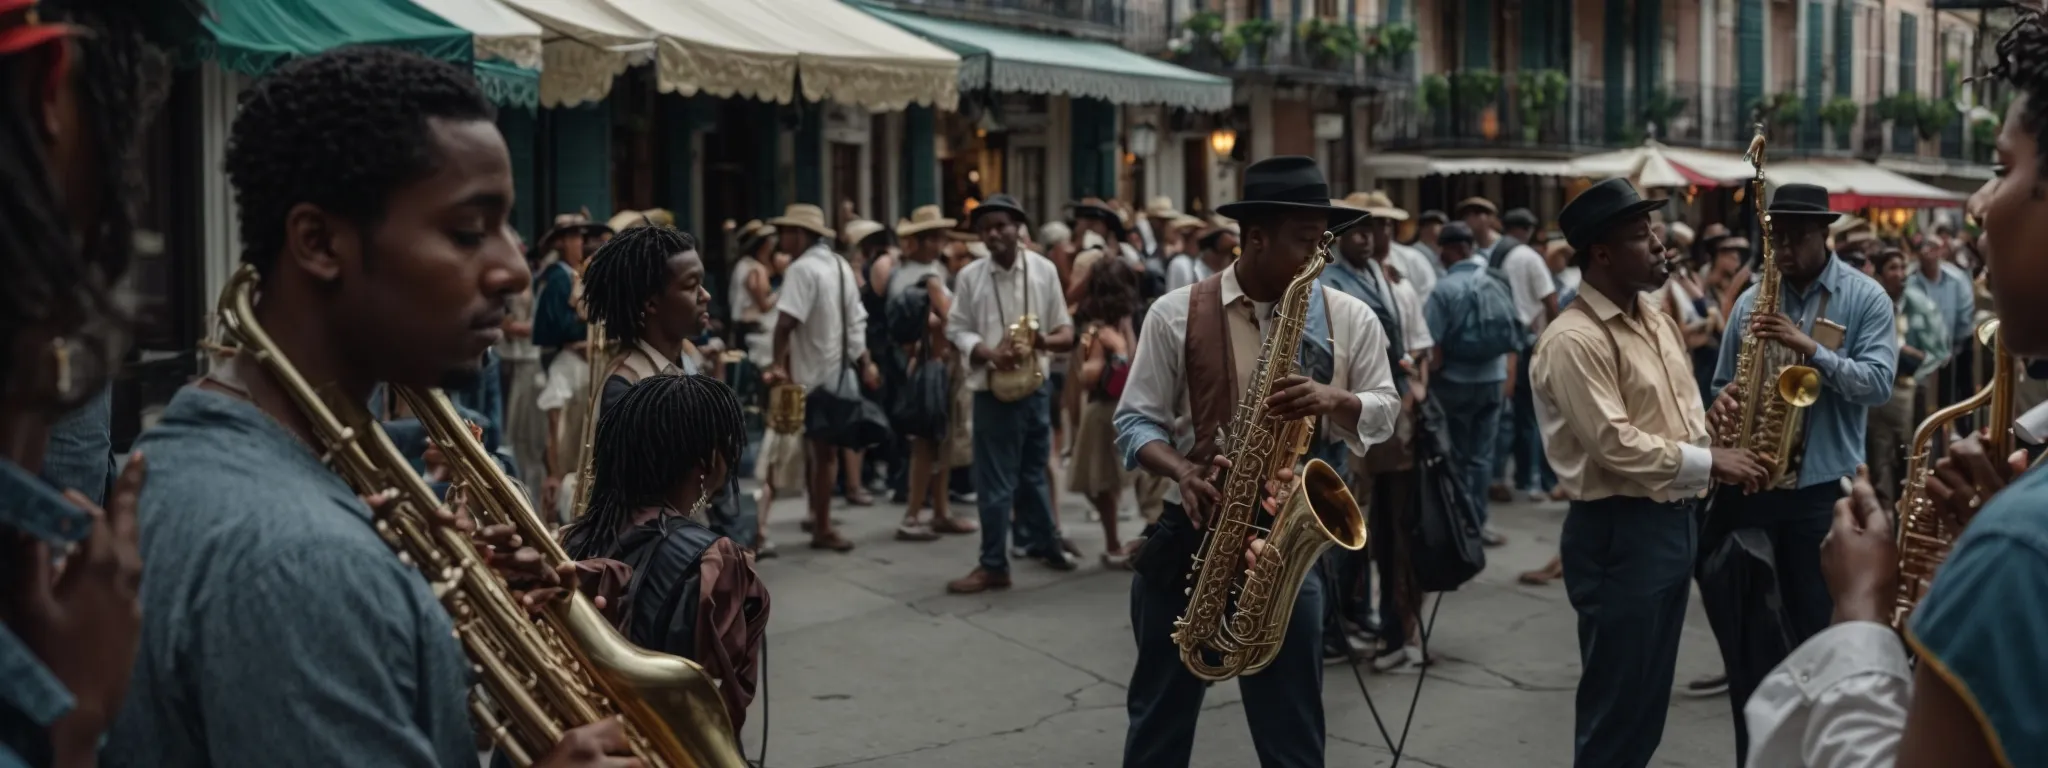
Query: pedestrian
x,y
1427,227
1629,442
919,302
1200,345
1535,293
871,249
1012,429
1923,346
1841,324
821,329
1108,341
560,333
1468,314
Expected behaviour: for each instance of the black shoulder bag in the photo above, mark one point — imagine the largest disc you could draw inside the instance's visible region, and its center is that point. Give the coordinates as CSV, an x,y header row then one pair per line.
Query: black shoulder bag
x,y
836,412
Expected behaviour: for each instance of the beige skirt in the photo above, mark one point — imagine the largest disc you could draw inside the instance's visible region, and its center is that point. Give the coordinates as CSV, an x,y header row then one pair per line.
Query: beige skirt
x,y
1097,467
781,462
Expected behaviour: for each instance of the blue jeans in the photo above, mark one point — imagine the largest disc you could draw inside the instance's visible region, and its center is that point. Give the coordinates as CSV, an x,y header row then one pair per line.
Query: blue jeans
x,y
1472,413
1520,439
1627,570
1011,444
1283,703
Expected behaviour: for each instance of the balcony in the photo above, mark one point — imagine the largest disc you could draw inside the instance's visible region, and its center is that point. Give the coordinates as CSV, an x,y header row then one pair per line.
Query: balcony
x,y
1093,19
1315,52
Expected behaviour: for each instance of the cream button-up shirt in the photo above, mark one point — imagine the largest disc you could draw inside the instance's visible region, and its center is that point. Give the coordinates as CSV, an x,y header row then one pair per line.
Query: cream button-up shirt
x,y
1630,427
988,299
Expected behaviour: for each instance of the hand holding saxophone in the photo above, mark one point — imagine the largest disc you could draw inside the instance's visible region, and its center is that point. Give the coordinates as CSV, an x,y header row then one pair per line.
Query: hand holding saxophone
x,y
1198,494
1860,557
1967,477
1300,397
1781,329
525,572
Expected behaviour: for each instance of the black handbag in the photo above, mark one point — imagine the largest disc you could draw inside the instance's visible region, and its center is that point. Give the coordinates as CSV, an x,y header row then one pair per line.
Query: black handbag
x,y
919,406
836,412
1447,549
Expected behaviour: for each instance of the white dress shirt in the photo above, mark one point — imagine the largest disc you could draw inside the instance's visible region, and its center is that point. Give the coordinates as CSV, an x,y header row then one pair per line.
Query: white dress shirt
x,y
1414,325
1529,276
989,298
1157,390
1418,269
1184,270
1839,701
829,330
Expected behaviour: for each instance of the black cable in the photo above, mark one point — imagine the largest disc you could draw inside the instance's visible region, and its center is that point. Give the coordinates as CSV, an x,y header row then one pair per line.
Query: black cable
x,y
1421,674
761,756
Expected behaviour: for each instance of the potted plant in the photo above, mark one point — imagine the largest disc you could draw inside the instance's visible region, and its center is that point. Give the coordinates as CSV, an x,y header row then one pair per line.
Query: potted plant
x,y
1839,114
1476,88
1328,43
1205,34
1436,93
1539,94
1899,108
1230,46
1396,42
1659,109
1256,34
1934,116
1778,110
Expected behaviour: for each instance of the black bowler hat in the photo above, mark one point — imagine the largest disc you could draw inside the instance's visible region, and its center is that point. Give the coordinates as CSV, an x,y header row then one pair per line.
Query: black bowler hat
x,y
1599,206
997,202
1287,184
1808,201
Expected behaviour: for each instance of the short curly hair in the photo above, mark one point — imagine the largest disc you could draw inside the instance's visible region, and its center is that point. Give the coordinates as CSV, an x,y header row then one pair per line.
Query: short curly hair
x,y
340,130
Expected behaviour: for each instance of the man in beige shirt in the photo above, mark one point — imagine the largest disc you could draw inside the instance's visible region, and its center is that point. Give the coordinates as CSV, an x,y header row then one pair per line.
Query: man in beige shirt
x,y
1623,427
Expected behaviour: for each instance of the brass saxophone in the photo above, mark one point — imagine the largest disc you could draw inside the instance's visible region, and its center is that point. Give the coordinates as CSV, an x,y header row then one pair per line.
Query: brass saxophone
x,y
1024,380
597,352
1925,535
537,678
786,408
1772,382
1316,511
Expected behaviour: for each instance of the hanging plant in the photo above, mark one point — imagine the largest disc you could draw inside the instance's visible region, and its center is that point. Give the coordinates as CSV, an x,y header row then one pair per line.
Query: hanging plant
x,y
1660,108
1539,94
1255,34
1436,92
1899,108
1397,40
1934,116
1327,42
1204,26
1839,113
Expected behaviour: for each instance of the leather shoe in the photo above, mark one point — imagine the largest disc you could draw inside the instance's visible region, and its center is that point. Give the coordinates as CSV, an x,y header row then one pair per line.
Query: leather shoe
x,y
981,580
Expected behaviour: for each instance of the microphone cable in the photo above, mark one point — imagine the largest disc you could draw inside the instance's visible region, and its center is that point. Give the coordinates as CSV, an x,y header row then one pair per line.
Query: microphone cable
x,y
1421,674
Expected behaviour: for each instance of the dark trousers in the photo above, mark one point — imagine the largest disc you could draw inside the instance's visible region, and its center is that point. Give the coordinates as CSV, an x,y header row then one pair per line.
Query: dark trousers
x,y
1472,413
1283,704
1011,441
1388,519
1795,521
1532,467
1627,570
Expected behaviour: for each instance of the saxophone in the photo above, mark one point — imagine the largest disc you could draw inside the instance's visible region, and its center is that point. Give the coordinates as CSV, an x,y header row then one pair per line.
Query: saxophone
x,y
598,353
1316,511
786,408
1924,535
537,678
1771,381
1024,380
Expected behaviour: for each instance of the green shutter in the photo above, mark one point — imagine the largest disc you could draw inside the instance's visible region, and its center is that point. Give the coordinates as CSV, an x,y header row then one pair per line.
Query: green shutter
x,y
1845,46
1615,73
1478,34
767,168
1909,52
1093,133
681,116
920,158
1816,73
810,151
1649,49
1749,50
1536,39
583,159
1397,11
517,125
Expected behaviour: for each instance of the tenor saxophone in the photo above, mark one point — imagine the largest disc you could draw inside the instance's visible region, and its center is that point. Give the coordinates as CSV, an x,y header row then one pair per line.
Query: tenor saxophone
x,y
1924,535
1772,383
536,678
1316,511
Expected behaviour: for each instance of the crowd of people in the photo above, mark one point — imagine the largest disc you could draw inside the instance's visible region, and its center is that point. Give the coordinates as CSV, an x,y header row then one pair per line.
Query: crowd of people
x,y
225,595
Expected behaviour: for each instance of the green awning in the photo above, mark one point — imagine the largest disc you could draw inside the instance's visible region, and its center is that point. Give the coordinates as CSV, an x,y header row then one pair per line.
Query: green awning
x,y
255,36
1010,60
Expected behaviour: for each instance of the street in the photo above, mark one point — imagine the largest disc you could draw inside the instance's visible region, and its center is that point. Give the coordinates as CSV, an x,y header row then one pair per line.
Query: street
x,y
871,663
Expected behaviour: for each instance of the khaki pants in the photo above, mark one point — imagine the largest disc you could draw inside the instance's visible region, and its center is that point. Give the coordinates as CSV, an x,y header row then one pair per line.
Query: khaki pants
x,y
1887,441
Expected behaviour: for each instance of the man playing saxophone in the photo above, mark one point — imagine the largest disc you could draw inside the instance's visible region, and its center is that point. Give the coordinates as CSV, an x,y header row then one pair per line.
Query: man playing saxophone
x,y
279,628
1197,343
1838,322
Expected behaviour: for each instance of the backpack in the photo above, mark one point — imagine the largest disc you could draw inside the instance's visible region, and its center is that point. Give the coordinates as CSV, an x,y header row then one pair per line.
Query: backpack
x,y
1488,325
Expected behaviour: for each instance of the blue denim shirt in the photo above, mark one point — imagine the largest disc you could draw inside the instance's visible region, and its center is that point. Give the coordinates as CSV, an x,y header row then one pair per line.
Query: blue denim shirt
x,y
31,697
1977,630
80,456
1954,292
1853,379
1453,293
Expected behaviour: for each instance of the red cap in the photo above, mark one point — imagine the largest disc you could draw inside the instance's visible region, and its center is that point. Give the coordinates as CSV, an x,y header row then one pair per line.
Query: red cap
x,y
20,31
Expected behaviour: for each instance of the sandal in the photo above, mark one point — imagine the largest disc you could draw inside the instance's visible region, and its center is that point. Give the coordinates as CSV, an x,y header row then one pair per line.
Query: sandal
x,y
915,532
1543,576
859,497
1116,561
948,524
832,541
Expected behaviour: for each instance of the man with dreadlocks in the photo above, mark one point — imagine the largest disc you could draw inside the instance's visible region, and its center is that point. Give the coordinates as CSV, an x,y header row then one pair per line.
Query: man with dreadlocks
x,y
1849,696
647,287
665,447
72,97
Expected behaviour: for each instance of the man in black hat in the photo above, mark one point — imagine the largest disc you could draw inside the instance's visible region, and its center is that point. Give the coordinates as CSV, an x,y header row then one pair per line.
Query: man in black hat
x,y
1199,347
1839,322
1629,442
1012,438
1427,226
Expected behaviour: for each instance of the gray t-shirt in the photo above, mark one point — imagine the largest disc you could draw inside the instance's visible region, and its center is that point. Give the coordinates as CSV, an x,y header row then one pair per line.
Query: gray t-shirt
x,y
908,273
277,626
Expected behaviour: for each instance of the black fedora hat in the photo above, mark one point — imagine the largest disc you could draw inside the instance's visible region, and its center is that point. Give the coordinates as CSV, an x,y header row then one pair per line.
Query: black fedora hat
x,y
1808,201
998,202
1599,206
1094,208
1287,184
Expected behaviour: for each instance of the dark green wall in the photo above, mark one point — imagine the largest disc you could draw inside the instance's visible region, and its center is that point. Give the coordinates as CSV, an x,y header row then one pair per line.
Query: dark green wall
x,y
518,127
1478,42
582,149
810,154
1615,68
920,158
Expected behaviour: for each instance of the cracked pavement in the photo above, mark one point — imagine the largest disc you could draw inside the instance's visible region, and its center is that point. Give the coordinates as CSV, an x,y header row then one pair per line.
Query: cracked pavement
x,y
871,664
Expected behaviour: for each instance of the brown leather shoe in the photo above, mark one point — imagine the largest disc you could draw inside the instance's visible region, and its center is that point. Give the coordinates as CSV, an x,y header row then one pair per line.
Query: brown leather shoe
x,y
949,524
978,581
831,540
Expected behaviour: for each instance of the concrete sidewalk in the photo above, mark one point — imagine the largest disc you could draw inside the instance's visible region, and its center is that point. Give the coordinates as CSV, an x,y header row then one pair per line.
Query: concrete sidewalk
x,y
871,663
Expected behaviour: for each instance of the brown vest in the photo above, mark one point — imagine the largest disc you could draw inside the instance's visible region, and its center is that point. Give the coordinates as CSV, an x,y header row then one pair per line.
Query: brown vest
x,y
1211,368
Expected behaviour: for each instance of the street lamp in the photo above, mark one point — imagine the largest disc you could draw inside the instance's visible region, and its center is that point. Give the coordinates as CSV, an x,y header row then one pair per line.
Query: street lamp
x,y
1223,140
1144,140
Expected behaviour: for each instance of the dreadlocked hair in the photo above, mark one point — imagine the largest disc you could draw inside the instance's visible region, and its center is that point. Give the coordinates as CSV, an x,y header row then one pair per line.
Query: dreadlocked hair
x,y
628,271
339,130
664,430
2022,61
55,279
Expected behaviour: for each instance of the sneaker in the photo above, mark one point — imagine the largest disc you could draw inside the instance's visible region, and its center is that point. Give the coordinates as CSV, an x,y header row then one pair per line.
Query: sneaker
x,y
1534,495
1711,685
766,550
1336,652
960,498
1491,537
1061,560
1389,660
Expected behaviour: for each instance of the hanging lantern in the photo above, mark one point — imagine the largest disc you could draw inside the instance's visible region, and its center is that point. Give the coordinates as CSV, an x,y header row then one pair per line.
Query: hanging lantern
x,y
1223,140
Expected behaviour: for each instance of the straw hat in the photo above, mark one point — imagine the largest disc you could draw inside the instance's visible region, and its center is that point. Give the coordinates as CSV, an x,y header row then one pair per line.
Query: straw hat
x,y
1476,202
1185,221
806,217
1376,203
924,219
858,230
1161,207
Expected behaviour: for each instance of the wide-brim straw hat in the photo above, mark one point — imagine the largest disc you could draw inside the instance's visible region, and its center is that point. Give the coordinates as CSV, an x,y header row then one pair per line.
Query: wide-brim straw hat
x,y
1217,227
924,218
753,233
806,217
1161,207
859,230
1183,222
1376,203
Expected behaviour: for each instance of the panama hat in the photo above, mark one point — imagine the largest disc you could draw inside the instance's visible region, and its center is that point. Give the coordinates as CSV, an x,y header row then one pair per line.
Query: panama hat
x,y
1602,204
1376,203
1184,221
924,218
859,230
1287,184
1475,202
806,217
1161,207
